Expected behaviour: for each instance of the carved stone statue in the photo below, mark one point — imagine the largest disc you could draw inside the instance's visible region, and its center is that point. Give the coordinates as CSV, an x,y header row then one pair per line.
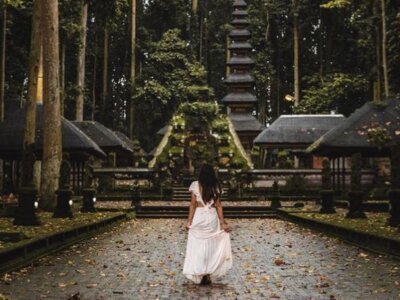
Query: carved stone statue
x,y
65,174
326,175
356,165
88,178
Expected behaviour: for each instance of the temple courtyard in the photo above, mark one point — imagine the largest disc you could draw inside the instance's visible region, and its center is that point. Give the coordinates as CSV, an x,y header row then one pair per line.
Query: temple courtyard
x,y
143,259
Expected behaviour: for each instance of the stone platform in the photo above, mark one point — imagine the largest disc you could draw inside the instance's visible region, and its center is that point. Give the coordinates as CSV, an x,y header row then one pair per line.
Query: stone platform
x,y
272,259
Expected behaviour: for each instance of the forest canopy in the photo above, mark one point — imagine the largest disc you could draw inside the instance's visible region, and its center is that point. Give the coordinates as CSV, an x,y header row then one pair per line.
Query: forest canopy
x,y
348,53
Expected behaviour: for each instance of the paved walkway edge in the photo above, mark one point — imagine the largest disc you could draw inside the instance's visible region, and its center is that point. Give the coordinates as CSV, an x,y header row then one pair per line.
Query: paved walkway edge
x,y
367,241
22,255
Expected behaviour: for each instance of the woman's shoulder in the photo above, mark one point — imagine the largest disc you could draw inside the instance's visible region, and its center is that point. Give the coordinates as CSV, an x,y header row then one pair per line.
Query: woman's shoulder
x,y
194,186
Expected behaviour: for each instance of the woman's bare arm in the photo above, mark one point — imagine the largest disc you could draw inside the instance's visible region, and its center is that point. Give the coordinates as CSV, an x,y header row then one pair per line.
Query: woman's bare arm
x,y
192,209
220,212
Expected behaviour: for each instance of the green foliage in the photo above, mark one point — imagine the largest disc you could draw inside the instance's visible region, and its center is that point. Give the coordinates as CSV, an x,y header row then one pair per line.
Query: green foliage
x,y
296,184
285,160
341,92
338,44
378,136
16,3
337,4
206,111
187,144
172,77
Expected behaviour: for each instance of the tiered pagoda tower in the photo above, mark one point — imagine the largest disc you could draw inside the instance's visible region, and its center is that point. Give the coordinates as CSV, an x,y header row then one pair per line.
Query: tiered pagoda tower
x,y
240,100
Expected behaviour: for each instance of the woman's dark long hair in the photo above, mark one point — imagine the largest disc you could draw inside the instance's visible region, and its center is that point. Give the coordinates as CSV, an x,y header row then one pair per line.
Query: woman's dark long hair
x,y
209,185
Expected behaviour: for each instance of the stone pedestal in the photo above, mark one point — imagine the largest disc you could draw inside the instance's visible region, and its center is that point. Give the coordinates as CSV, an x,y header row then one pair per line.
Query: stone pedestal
x,y
25,214
394,200
136,199
327,202
88,203
356,205
275,199
63,209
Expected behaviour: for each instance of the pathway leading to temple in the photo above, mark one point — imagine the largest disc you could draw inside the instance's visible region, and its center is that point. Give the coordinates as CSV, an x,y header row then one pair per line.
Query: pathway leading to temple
x,y
272,259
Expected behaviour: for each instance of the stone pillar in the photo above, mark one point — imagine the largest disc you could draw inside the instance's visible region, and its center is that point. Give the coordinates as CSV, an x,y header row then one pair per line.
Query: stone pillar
x,y
136,197
275,199
356,194
64,193
27,194
326,193
88,191
394,192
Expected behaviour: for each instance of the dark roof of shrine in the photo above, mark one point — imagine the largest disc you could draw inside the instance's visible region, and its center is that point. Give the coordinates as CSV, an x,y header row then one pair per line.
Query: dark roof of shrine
x,y
235,33
106,139
240,13
244,122
239,78
74,141
239,97
123,137
237,21
351,135
239,3
240,60
240,46
297,131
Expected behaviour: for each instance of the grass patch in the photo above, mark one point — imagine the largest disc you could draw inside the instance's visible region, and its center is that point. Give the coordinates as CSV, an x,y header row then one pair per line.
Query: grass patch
x,y
51,225
375,224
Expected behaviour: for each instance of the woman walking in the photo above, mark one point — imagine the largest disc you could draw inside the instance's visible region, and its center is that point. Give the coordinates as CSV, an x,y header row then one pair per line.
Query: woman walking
x,y
208,253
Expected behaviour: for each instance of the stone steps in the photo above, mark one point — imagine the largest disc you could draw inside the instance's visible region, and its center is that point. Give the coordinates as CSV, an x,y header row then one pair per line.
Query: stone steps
x,y
182,212
182,193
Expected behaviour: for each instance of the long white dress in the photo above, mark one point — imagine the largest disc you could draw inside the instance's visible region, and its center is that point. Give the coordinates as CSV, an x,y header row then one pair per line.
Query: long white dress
x,y
209,247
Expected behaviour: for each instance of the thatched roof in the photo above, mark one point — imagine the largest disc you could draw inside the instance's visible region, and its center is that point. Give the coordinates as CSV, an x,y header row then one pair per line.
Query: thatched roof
x,y
243,122
244,97
240,13
133,145
107,140
239,3
240,46
239,33
128,142
297,131
74,140
240,22
235,78
352,135
240,60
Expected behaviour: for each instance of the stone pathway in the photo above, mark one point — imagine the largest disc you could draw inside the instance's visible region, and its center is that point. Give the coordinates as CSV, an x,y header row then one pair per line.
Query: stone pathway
x,y
272,259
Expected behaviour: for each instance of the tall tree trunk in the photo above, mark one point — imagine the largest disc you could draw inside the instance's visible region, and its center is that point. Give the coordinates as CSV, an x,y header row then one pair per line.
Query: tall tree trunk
x,y
378,48
81,62
39,90
62,77
321,44
132,110
200,36
94,78
3,56
105,77
195,6
30,106
207,52
51,124
274,44
384,54
228,54
296,51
